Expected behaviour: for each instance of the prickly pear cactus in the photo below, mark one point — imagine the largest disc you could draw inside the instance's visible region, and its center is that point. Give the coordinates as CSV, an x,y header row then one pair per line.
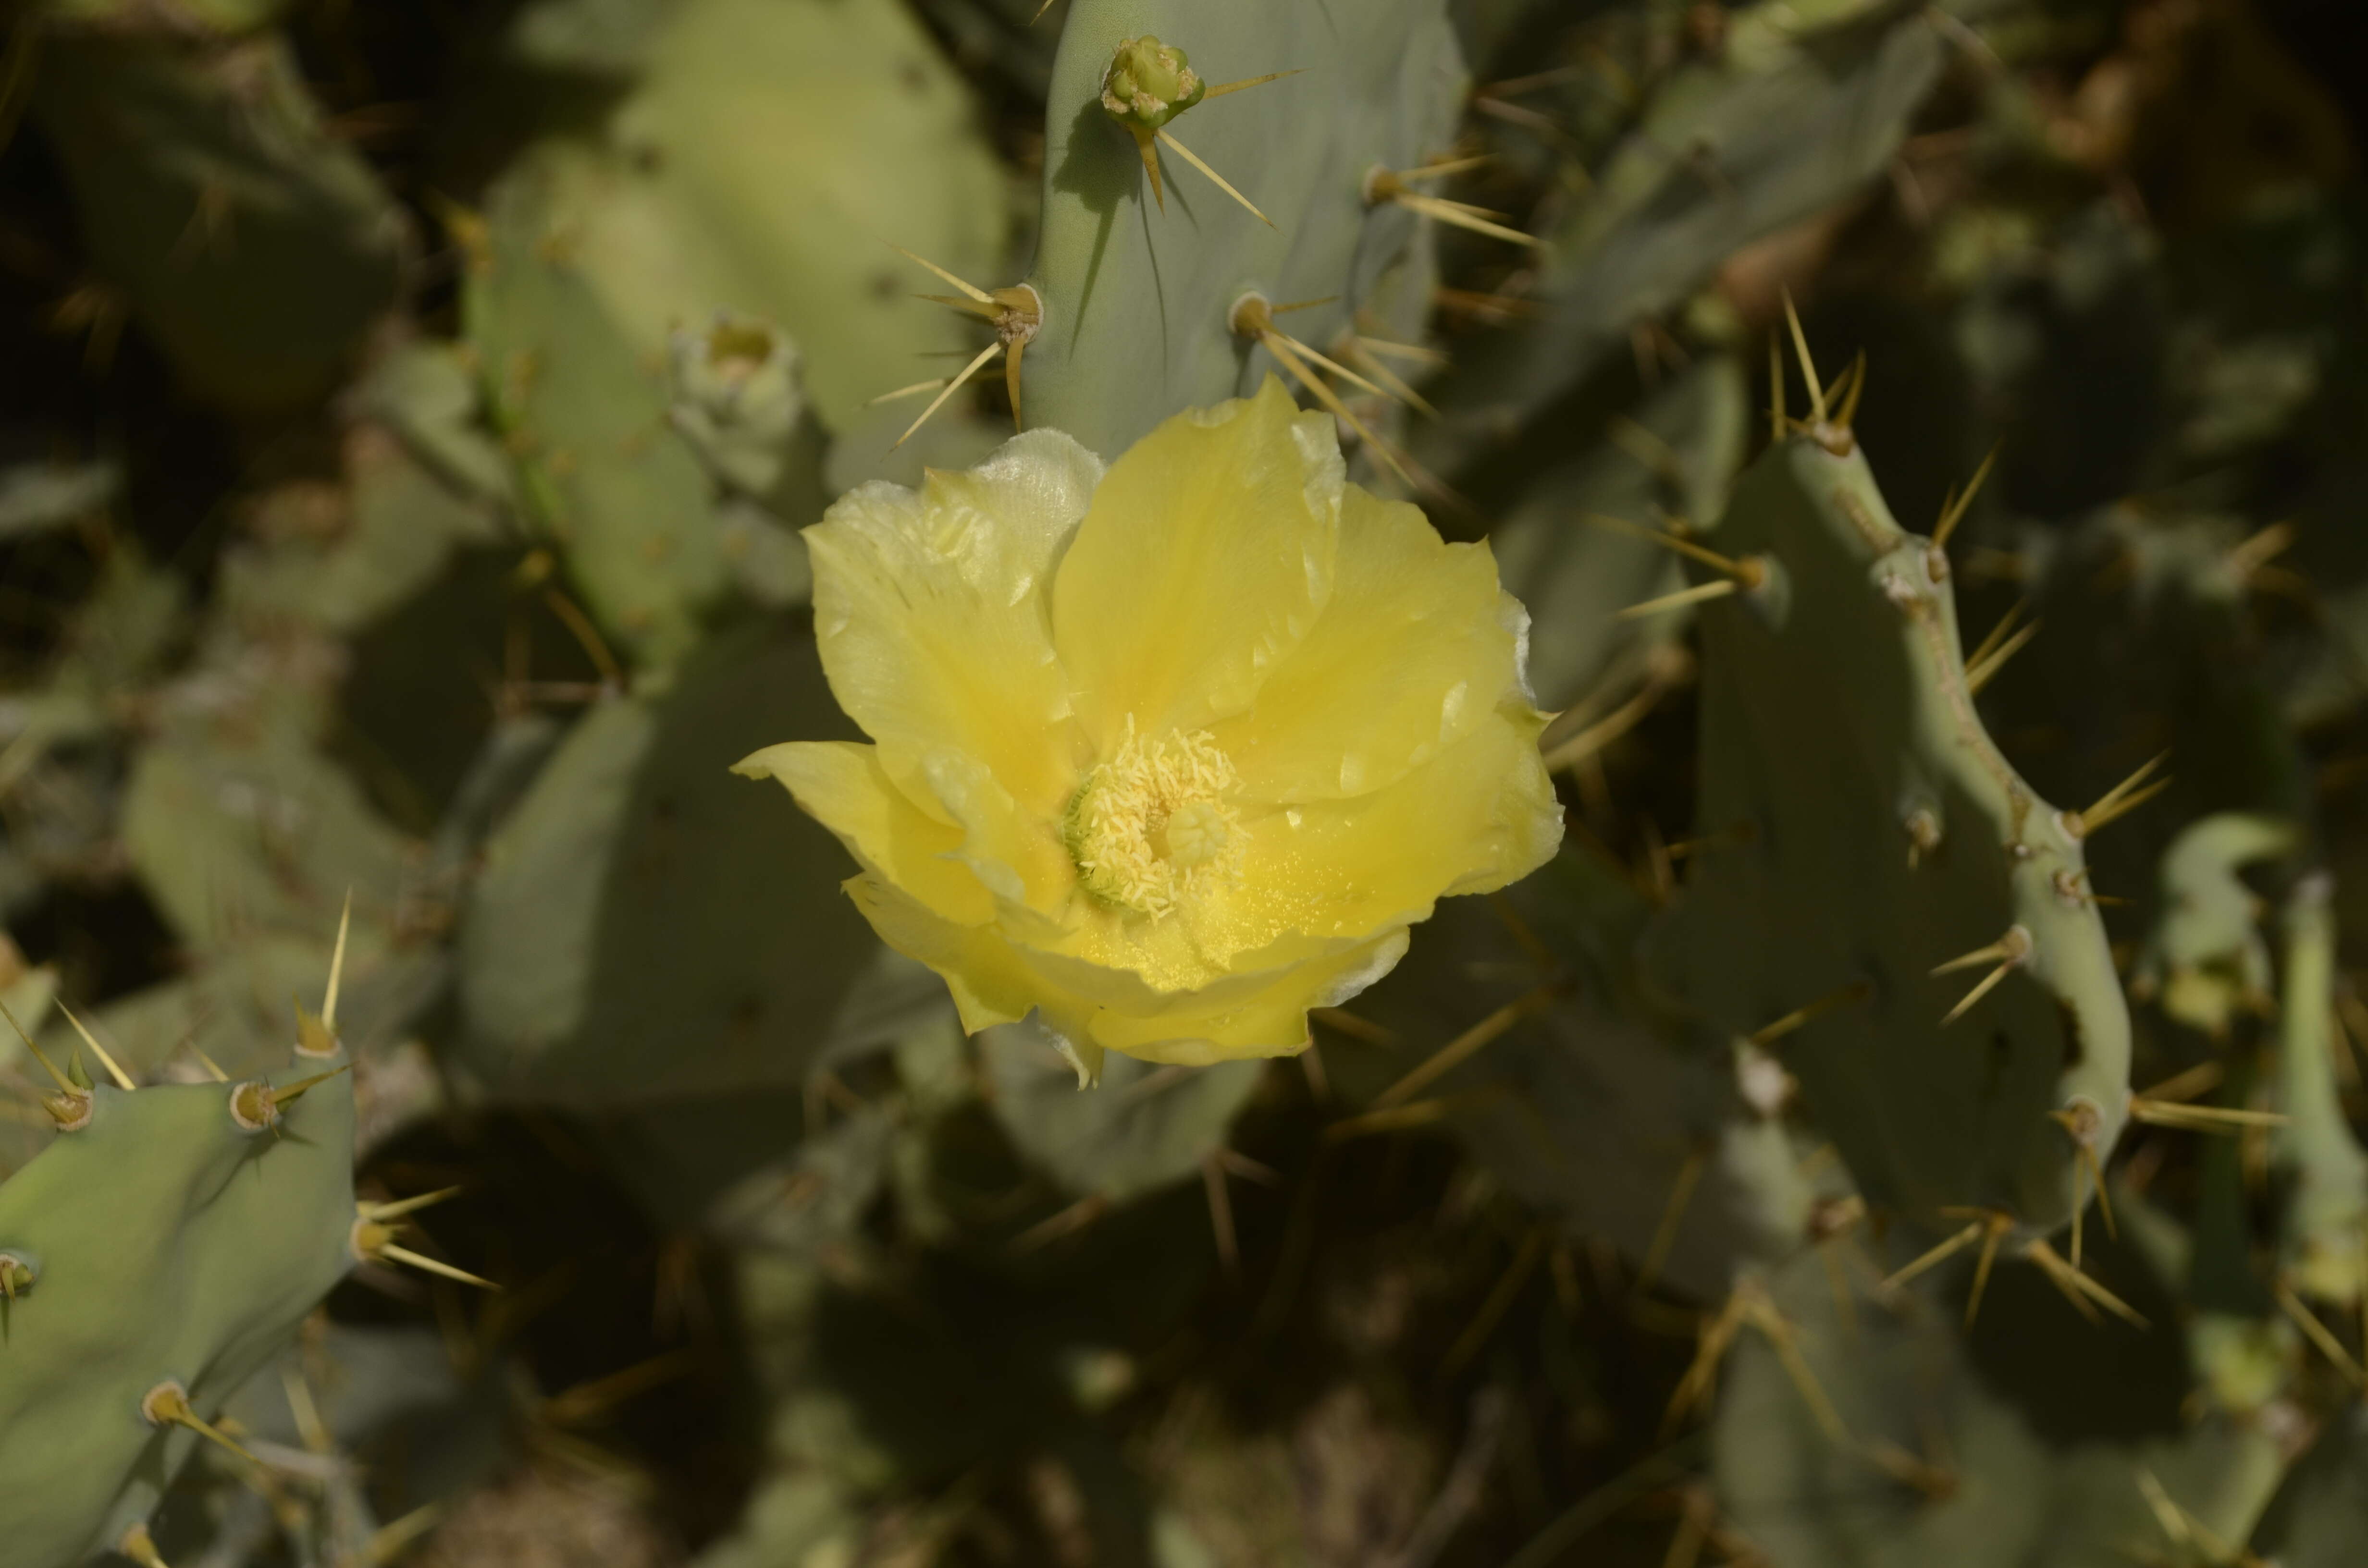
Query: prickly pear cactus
x,y
454,577
602,468
257,247
2319,1518
617,946
1865,840
722,180
1615,1115
164,1247
1139,287
1878,1436
1792,108
2324,1247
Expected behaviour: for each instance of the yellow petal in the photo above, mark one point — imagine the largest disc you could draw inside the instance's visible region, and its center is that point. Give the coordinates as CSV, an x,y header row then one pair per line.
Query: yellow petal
x,y
842,785
1205,558
1017,854
1141,966
1478,814
989,986
1272,1023
931,611
1417,645
974,960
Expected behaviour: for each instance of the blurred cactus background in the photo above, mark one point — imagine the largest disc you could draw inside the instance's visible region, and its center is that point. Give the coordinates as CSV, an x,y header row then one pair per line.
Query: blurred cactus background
x,y
1915,1119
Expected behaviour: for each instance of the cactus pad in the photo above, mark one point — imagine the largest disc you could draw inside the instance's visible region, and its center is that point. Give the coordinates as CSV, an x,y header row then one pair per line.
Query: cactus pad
x,y
171,1248
1136,299
1868,832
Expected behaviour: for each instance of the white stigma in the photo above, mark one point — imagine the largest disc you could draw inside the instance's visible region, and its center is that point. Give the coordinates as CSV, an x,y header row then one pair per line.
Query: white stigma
x,y
1151,824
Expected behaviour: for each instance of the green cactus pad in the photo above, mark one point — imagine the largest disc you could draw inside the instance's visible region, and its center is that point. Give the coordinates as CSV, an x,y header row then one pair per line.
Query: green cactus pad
x,y
2325,1242
1867,831
763,155
256,249
618,946
169,1243
2319,1518
1136,299
1996,1489
625,499
1793,112
1597,1105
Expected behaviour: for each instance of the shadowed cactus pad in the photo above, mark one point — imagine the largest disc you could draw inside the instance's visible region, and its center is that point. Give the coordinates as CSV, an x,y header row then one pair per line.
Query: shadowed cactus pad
x,y
644,930
1865,832
256,246
1935,1461
1148,1127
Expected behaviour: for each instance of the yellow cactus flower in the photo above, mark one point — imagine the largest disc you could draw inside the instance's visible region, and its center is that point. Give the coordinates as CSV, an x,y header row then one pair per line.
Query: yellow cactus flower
x,y
1170,753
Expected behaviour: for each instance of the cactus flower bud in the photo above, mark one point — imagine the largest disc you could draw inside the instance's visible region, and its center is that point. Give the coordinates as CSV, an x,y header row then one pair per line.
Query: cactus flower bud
x,y
1148,84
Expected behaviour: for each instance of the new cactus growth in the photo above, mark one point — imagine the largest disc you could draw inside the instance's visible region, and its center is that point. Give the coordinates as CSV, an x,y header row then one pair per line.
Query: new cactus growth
x,y
1149,83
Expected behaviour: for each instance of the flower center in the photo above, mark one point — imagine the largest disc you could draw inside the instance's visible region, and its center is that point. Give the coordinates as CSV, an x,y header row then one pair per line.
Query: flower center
x,y
1151,824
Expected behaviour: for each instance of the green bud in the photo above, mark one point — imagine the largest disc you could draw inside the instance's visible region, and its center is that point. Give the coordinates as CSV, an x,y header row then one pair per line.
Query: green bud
x,y
1149,83
735,396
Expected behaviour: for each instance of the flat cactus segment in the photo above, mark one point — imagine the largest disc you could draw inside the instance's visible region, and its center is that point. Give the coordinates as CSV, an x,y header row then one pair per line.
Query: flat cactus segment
x,y
764,152
2319,1518
1889,842
1785,119
2326,1239
1136,298
1940,1464
211,821
168,1244
255,247
618,946
586,418
1602,1110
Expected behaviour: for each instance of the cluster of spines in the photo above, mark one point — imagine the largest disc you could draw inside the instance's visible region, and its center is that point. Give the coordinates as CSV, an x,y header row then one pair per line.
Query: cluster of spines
x,y
1017,313
253,1106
